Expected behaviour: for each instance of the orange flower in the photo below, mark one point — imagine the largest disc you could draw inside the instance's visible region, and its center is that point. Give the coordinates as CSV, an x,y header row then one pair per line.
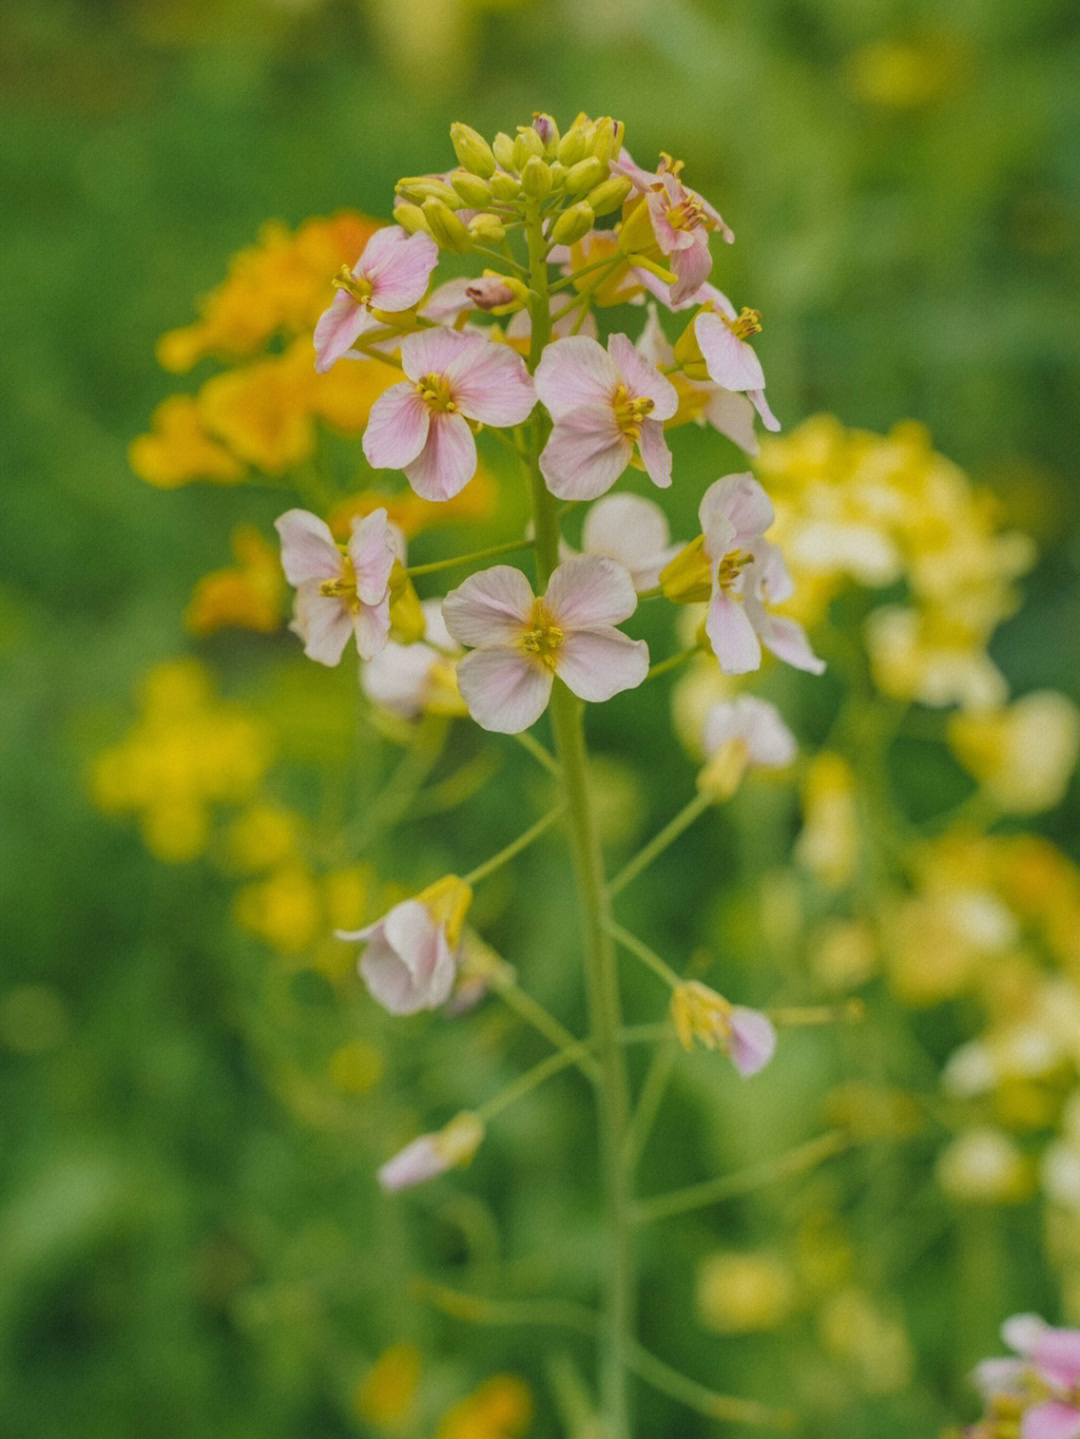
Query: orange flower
x,y
249,595
178,449
260,412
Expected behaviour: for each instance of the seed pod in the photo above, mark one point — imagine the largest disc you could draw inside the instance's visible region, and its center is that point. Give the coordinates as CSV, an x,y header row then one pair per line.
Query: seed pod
x,y
585,175
473,151
472,191
536,178
609,195
573,224
446,229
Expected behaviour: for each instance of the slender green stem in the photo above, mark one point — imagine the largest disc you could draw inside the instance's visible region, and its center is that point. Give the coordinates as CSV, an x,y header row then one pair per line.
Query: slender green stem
x,y
641,951
532,1078
689,1392
651,1097
505,261
538,752
601,972
506,548
672,662
533,1012
659,842
475,1309
515,846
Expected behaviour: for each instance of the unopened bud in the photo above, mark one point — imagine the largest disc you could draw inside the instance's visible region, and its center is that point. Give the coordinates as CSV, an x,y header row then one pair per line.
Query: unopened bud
x,y
584,175
558,174
503,150
608,196
527,145
491,292
473,151
536,178
573,224
574,145
411,218
505,187
548,131
419,188
602,144
472,191
487,227
448,232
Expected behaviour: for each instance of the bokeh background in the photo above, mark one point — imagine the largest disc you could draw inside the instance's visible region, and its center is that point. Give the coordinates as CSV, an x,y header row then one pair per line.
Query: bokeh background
x,y
192,1242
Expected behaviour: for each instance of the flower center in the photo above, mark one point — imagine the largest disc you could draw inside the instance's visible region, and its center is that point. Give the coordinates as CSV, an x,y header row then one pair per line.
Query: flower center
x,y
747,323
358,286
343,586
729,570
688,214
435,392
544,637
630,411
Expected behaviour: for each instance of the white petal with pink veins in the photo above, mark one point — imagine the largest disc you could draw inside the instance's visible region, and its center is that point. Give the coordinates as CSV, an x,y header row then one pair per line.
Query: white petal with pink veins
x,y
788,642
492,607
504,690
322,622
732,636
493,386
308,551
338,328
588,591
433,352
400,271
397,428
597,664
573,372
738,501
654,452
585,454
731,362
447,462
633,531
371,625
641,379
372,554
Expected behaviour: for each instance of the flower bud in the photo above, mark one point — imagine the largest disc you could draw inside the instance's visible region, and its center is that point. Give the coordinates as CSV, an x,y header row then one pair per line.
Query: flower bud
x,y
434,1154
698,1012
473,151
548,131
406,617
609,195
527,145
686,579
505,187
603,143
573,224
536,178
558,174
574,145
473,191
487,227
496,292
584,175
410,217
503,148
448,232
419,188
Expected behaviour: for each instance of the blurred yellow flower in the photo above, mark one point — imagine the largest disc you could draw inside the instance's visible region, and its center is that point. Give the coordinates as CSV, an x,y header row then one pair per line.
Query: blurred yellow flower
x,y
876,1343
179,449
740,1293
985,1166
386,1395
1024,755
904,74
500,1408
249,595
829,840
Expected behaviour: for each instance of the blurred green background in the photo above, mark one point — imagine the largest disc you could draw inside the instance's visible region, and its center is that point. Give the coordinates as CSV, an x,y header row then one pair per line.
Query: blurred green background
x,y
903,179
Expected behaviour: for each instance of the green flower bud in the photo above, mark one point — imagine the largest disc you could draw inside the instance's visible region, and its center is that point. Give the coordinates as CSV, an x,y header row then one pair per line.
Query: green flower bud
x,y
527,144
548,131
487,227
472,191
410,217
609,195
603,140
574,145
446,229
503,148
419,188
558,174
536,178
505,187
473,151
573,224
584,175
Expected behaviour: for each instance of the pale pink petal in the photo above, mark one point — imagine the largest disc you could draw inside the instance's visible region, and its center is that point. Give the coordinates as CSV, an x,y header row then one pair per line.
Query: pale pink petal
x,y
641,379
399,274
731,362
418,1162
597,664
761,404
397,428
1000,1376
492,607
447,462
381,247
575,372
768,576
371,625
585,453
397,677
633,531
1022,1331
788,642
733,415
654,452
590,590
1054,1420
448,301
504,690
322,622
751,1040
732,636
1056,1355
691,266
493,386
338,329
737,500
372,552
432,352
308,550
757,723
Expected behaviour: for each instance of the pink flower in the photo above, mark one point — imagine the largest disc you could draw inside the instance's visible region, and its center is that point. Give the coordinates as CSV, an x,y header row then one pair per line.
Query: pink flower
x,y
754,724
412,952
681,222
604,406
1047,1373
338,595
722,334
746,571
707,403
746,1035
522,643
633,531
409,679
422,426
433,1154
391,274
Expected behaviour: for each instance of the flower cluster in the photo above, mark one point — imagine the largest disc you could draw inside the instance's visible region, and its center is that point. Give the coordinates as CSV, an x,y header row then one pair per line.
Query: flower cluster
x,y
1034,1396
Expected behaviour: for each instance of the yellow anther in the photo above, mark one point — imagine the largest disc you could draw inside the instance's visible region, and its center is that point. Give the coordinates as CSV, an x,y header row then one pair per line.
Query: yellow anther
x,y
747,323
729,570
544,637
435,393
359,287
629,413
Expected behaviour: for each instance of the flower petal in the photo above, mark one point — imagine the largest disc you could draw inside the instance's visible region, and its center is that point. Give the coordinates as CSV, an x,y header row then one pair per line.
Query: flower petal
x,y
491,607
397,428
447,462
732,636
733,415
631,530
371,551
1054,1420
788,642
585,454
371,626
590,590
654,452
400,272
492,385
415,1164
751,1040
1056,1355
575,372
739,501
503,689
597,664
432,352
322,622
339,326
761,404
308,550
641,379
731,362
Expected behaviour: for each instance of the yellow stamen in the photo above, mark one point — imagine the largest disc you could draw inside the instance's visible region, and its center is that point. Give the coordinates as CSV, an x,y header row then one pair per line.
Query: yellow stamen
x,y
747,323
630,412
730,568
435,393
357,286
343,586
544,638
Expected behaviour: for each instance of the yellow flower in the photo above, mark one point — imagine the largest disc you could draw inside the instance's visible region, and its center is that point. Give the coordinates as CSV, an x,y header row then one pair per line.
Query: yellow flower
x,y
742,1293
501,1408
285,909
180,449
261,413
1023,755
248,595
829,841
386,1395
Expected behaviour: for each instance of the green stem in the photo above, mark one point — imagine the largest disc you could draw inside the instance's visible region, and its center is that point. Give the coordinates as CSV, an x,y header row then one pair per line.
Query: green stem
x,y
601,972
659,842
641,951
672,662
538,752
506,548
515,846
